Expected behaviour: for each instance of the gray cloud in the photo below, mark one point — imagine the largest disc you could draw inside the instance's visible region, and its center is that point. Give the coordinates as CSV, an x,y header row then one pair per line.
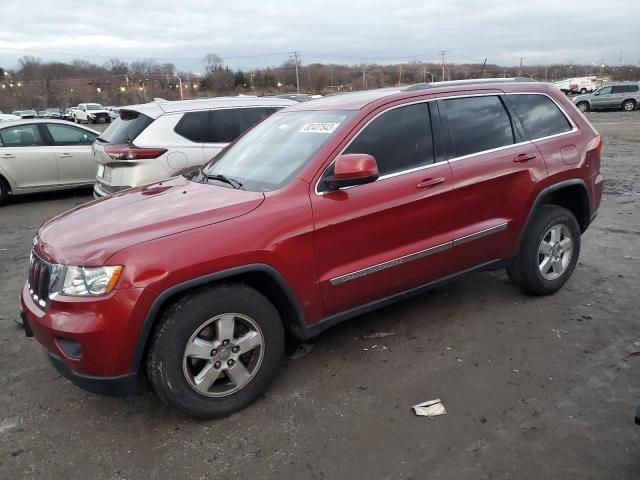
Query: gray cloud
x,y
184,31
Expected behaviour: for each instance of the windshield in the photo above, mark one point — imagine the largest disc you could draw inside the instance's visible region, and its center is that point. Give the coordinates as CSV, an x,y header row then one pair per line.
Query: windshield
x,y
270,154
94,106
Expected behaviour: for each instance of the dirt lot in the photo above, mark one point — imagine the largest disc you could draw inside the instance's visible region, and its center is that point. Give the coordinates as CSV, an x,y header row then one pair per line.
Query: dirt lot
x,y
534,387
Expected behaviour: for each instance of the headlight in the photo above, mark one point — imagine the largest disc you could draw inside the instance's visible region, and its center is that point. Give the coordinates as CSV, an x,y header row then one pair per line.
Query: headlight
x,y
82,281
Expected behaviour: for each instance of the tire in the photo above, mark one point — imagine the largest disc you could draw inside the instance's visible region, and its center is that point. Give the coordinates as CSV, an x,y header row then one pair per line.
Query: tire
x,y
199,320
629,105
4,191
75,119
89,121
583,107
544,269
583,91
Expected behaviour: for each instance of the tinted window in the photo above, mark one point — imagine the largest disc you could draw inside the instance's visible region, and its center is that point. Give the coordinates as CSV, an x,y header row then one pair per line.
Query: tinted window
x,y
21,136
539,116
67,135
126,127
477,124
625,89
193,126
225,125
399,139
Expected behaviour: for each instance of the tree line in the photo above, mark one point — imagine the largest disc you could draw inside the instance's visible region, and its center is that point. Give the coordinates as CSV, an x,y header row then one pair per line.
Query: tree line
x,y
38,84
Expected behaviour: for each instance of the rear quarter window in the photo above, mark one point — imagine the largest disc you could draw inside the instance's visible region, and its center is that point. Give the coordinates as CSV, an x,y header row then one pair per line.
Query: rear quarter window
x,y
539,115
193,126
225,125
126,127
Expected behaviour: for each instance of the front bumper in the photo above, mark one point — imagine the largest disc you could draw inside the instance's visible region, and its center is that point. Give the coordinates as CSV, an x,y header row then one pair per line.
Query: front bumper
x,y
91,341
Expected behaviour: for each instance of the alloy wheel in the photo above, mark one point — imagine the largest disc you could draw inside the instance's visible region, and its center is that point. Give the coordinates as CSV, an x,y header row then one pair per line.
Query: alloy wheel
x,y
554,252
223,355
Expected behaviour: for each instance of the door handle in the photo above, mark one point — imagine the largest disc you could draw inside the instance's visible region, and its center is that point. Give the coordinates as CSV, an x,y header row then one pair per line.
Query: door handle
x,y
65,155
8,155
430,182
524,157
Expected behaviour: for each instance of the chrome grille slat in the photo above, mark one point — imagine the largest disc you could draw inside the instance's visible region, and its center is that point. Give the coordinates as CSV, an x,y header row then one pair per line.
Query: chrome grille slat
x,y
38,280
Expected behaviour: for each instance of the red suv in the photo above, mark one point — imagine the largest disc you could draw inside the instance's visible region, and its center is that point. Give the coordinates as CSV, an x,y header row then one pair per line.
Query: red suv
x,y
324,211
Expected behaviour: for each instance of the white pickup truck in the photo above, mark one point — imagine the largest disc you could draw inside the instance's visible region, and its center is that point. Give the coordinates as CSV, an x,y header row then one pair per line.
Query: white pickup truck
x,y
91,113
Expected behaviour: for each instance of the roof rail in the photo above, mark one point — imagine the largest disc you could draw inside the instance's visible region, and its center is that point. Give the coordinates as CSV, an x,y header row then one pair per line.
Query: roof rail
x,y
473,81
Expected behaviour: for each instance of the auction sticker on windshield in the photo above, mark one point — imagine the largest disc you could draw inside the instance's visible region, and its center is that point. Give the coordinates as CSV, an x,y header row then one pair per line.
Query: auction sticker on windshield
x,y
319,127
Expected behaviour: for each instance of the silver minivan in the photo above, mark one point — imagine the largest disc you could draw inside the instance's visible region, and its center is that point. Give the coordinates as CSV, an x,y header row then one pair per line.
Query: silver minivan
x,y
154,141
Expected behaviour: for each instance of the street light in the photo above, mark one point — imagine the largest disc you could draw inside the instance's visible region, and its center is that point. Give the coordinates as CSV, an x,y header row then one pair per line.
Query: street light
x,y
180,82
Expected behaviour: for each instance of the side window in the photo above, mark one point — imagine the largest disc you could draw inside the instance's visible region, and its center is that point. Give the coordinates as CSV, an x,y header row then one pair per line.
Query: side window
x,y
21,136
227,124
64,135
539,116
477,124
399,139
193,126
605,91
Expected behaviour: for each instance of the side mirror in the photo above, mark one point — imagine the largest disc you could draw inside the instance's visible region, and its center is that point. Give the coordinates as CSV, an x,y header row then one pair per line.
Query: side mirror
x,y
352,169
596,93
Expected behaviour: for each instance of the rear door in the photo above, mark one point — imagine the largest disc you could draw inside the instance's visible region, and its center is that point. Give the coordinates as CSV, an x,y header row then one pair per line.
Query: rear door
x,y
227,124
391,235
493,170
71,147
25,158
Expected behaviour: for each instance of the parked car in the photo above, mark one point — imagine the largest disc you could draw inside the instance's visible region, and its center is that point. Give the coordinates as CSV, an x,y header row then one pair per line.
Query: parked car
x,y
41,114
52,113
68,114
324,211
154,141
114,112
41,155
26,113
625,96
91,113
296,97
5,117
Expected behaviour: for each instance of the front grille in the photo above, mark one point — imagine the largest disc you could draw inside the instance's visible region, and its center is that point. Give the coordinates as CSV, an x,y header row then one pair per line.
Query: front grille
x,y
38,280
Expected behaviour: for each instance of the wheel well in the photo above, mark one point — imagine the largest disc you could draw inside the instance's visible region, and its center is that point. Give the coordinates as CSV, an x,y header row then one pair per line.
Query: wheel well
x,y
6,182
259,280
575,199
629,99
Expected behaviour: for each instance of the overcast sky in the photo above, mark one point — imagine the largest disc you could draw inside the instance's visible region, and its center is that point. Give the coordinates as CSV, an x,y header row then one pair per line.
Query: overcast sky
x,y
183,31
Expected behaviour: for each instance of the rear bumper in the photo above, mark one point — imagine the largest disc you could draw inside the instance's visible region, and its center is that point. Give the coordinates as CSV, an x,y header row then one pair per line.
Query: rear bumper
x,y
118,386
99,191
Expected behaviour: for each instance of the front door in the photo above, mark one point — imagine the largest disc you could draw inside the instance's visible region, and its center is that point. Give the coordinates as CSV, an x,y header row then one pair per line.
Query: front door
x,y
381,238
26,159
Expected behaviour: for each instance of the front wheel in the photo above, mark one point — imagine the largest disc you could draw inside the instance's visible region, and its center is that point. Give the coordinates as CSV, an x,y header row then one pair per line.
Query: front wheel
x,y
629,105
548,253
216,350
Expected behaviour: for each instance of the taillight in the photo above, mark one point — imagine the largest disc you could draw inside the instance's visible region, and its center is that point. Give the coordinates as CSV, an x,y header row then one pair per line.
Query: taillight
x,y
131,152
594,153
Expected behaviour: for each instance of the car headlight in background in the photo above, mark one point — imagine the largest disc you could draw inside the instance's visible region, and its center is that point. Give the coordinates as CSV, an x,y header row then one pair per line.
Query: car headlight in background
x,y
82,281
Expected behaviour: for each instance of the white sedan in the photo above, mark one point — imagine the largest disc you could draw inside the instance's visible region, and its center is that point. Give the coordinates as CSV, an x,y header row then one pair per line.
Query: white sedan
x,y
41,155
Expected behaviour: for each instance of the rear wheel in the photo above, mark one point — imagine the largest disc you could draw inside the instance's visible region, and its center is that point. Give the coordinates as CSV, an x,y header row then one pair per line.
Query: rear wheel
x,y
583,91
549,251
216,350
4,191
629,105
583,106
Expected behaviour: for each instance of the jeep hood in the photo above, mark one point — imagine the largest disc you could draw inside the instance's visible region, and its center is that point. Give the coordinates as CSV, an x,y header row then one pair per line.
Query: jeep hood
x,y
90,234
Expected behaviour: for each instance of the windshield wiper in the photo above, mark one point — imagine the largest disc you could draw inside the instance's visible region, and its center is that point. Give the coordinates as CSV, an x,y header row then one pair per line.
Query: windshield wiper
x,y
221,178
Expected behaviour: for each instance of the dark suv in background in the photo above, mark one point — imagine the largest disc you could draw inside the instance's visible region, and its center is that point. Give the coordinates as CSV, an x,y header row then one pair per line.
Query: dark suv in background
x,y
323,211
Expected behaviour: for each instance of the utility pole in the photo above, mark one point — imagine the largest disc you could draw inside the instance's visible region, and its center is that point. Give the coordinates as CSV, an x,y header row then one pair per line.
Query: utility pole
x,y
484,64
443,53
546,70
399,75
520,70
180,83
364,77
295,56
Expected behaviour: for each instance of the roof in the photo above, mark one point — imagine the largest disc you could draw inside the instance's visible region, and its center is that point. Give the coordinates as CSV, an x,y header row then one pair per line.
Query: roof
x,y
359,100
155,109
25,121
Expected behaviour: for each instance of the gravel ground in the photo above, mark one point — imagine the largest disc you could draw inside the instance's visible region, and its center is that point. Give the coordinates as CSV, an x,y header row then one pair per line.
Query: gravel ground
x,y
534,387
